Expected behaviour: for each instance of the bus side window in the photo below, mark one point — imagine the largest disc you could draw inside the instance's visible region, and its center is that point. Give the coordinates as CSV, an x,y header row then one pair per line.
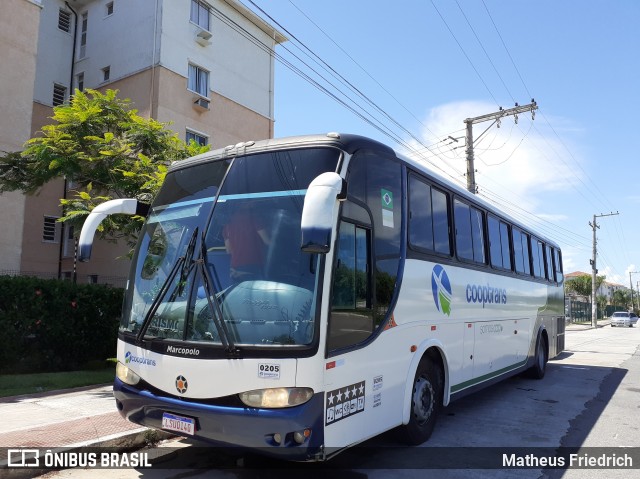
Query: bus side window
x,y
557,257
428,217
469,222
549,263
376,181
521,251
351,320
499,243
537,255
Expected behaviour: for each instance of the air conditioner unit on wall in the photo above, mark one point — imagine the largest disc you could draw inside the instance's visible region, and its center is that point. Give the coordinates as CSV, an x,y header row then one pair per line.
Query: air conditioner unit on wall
x,y
203,37
201,104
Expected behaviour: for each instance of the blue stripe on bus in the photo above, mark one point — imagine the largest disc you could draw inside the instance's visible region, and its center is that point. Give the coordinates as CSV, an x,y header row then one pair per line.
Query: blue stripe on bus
x,y
223,198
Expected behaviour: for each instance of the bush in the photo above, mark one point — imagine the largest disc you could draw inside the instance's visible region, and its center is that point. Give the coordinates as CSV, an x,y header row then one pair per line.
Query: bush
x,y
51,325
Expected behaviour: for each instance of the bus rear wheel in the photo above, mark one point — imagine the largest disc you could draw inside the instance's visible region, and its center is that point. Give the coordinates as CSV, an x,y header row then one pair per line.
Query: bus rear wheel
x,y
426,399
540,361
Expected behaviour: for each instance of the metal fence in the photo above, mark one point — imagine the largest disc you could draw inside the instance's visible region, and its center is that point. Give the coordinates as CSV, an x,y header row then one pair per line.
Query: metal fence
x,y
580,311
115,281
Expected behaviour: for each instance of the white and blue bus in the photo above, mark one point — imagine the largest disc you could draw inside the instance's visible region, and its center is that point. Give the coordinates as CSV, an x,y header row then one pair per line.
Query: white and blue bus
x,y
363,293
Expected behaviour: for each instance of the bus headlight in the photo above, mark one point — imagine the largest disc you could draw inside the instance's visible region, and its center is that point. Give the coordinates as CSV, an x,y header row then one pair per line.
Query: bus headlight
x,y
276,397
126,375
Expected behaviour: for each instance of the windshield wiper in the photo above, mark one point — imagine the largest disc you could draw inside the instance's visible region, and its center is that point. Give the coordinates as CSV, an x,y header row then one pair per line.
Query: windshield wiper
x,y
184,265
155,304
214,306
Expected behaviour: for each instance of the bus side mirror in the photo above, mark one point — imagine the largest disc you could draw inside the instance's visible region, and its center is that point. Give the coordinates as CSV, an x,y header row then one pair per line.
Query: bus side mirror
x,y
317,213
99,213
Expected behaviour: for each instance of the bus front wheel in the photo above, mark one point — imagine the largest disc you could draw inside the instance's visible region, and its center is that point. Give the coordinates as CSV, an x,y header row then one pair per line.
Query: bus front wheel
x,y
426,399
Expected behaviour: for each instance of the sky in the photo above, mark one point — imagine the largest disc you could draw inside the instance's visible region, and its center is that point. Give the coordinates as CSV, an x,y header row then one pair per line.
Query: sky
x,y
416,69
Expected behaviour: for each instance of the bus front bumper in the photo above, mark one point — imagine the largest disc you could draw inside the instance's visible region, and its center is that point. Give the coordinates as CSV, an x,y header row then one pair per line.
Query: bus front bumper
x,y
233,427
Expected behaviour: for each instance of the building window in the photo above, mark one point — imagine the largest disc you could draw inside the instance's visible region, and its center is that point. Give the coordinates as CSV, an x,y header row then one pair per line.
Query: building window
x,y
59,94
51,229
80,81
198,138
198,80
64,20
83,35
200,14
109,8
106,74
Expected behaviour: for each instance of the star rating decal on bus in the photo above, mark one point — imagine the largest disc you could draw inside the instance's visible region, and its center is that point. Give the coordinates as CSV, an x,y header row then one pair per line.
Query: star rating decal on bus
x,y
344,402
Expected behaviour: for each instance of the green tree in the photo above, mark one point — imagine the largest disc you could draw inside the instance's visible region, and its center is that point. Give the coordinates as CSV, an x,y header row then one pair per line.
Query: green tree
x,y
581,285
622,298
101,144
601,301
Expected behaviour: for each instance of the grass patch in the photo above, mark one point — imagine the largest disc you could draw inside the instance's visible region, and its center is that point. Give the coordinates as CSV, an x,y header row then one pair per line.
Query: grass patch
x,y
18,384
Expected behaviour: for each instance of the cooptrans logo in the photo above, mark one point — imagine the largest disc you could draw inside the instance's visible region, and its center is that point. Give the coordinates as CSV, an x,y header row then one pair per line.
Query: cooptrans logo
x,y
441,288
130,358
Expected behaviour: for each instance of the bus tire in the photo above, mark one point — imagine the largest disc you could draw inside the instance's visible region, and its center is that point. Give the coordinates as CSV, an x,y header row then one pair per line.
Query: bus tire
x,y
426,400
539,367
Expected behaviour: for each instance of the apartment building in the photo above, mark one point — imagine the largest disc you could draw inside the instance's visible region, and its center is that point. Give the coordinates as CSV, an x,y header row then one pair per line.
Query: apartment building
x,y
206,67
606,289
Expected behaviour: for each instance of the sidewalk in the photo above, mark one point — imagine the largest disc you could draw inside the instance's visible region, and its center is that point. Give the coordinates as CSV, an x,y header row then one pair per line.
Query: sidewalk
x,y
580,326
67,419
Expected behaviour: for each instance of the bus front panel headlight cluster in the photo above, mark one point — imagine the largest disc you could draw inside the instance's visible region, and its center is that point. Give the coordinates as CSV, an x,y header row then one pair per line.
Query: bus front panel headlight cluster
x,y
126,375
276,397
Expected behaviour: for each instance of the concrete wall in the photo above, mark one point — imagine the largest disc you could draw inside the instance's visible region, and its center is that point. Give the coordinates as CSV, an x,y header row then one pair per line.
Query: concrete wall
x,y
19,25
226,122
239,70
54,53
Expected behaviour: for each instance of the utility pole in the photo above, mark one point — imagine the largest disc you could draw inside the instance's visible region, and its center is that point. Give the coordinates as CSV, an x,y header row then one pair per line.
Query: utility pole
x,y
594,270
496,116
631,288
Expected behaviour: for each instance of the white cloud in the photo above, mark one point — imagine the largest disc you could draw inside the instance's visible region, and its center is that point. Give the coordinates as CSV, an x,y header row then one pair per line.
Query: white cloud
x,y
523,168
513,162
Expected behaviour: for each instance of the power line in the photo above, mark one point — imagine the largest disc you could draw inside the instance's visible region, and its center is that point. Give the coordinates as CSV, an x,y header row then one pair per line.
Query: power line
x,y
339,76
364,113
485,52
355,62
507,50
464,53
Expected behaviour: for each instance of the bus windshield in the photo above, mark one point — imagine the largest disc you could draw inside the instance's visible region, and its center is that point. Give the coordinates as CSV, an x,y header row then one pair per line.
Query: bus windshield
x,y
219,258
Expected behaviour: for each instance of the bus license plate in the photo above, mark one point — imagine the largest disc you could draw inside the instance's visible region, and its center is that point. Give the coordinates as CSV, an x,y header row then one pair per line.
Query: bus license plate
x,y
185,425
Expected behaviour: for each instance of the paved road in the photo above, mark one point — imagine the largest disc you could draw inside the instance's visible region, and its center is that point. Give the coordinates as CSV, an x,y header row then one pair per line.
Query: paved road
x,y
589,397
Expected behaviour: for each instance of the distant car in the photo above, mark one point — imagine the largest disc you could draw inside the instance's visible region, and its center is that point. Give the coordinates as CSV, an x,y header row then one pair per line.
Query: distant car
x,y
623,318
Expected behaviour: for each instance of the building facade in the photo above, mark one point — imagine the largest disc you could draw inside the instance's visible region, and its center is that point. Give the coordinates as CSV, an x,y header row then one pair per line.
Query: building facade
x,y
207,68
606,289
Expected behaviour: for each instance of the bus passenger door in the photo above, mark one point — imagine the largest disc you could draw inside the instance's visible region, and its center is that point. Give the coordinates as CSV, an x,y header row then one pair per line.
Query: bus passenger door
x,y
354,376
